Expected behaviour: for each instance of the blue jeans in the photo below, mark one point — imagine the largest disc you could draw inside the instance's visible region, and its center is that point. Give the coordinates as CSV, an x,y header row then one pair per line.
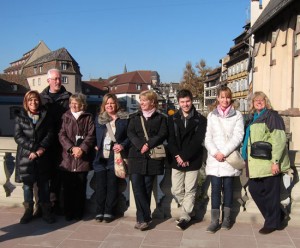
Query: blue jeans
x,y
142,189
43,191
219,186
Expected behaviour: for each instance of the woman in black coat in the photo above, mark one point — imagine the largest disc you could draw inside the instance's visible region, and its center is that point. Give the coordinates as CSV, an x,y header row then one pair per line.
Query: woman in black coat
x,y
33,134
106,180
142,168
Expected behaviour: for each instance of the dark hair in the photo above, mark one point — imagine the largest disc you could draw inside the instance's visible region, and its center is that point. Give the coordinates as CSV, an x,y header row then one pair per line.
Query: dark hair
x,y
184,93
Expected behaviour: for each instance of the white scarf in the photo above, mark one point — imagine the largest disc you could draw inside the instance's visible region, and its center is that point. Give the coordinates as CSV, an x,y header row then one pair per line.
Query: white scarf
x,y
76,114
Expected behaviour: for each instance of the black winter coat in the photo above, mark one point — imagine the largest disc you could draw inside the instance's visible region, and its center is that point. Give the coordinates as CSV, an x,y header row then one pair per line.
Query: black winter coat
x,y
157,130
56,108
29,138
187,142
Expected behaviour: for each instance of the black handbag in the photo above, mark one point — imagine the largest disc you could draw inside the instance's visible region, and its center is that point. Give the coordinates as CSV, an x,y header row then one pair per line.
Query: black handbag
x,y
261,149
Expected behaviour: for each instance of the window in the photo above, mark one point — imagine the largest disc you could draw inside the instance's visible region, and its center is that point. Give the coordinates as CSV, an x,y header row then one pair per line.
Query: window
x,y
39,81
33,82
34,70
133,99
138,87
64,79
64,66
41,69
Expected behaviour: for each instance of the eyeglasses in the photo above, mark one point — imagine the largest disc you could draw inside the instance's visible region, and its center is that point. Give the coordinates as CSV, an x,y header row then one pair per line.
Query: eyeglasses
x,y
259,100
55,79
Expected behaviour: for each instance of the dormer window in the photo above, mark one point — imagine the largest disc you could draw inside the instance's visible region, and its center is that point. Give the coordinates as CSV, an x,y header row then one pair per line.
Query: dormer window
x,y
64,66
40,68
138,87
34,70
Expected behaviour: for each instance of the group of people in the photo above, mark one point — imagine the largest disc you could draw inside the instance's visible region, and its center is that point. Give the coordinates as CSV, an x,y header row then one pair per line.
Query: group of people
x,y
59,142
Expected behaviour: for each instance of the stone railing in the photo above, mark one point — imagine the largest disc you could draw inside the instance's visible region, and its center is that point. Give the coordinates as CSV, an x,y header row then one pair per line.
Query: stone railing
x,y
162,205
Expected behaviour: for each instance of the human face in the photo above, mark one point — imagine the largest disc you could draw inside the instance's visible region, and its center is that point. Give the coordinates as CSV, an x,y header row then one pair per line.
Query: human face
x,y
185,104
146,104
33,104
54,81
75,106
259,104
110,106
224,100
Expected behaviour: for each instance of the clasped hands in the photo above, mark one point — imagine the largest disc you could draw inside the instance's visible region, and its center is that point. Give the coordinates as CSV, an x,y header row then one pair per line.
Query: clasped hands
x,y
180,161
220,157
76,152
38,153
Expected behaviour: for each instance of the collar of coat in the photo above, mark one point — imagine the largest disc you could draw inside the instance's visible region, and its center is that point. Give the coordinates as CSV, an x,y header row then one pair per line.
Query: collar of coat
x,y
104,117
231,112
191,114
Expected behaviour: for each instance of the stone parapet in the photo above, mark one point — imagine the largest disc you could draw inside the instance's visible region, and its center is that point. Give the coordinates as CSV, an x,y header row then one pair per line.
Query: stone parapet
x,y
162,204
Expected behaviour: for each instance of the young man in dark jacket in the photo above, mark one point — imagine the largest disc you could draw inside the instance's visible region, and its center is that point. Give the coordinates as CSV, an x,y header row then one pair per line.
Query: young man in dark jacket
x,y
55,97
186,134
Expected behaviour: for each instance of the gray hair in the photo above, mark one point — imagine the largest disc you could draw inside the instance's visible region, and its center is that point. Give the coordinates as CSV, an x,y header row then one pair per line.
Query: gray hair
x,y
80,98
52,70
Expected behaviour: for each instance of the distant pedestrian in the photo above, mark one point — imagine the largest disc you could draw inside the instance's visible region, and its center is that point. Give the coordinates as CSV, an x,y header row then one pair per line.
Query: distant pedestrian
x,y
225,132
77,137
34,135
186,135
142,168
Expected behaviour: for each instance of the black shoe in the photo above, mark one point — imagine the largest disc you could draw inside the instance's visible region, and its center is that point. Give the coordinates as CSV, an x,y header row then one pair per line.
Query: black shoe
x,y
108,219
182,224
99,218
266,230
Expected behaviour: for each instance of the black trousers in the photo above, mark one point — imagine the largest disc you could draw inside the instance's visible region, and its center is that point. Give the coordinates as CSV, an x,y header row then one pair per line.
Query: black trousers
x,y
106,191
266,194
74,184
142,189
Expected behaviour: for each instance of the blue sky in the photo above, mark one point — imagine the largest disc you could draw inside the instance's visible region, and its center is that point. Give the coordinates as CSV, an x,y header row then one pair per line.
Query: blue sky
x,y
103,36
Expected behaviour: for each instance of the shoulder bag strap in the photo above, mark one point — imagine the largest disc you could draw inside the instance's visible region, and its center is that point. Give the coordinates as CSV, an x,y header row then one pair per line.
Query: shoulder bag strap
x,y
111,133
143,125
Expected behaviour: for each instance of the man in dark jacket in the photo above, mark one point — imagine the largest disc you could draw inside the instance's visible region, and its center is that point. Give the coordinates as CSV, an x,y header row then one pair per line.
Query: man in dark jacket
x,y
186,134
55,97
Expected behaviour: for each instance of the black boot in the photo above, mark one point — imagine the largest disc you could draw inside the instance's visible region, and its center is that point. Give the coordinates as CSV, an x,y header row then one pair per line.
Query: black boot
x,y
48,216
28,215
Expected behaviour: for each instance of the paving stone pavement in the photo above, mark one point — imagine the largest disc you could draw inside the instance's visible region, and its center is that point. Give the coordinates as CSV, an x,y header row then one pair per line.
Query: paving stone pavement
x,y
88,233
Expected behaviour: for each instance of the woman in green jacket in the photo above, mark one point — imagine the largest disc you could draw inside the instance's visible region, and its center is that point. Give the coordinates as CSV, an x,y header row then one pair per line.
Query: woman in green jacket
x,y
265,175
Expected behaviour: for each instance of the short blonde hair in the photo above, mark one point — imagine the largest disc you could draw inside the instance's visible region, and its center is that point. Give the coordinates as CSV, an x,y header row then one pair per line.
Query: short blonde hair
x,y
80,98
262,95
151,96
105,99
31,94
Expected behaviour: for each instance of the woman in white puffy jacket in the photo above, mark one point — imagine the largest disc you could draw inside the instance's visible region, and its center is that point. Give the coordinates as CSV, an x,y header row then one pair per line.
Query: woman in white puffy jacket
x,y
225,132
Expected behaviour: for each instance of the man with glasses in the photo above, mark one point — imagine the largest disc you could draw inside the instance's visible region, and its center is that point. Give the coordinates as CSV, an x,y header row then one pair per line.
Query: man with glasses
x,y
56,99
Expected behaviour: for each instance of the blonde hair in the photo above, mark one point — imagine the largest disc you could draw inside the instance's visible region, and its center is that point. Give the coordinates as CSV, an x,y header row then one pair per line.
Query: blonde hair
x,y
228,93
80,98
105,99
259,94
151,96
31,94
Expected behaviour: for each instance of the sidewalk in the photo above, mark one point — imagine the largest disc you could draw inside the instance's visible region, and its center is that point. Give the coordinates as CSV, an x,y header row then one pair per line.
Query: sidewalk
x,y
120,233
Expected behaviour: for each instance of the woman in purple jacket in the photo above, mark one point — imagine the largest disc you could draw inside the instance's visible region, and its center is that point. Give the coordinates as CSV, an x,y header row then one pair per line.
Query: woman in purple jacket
x,y
77,137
